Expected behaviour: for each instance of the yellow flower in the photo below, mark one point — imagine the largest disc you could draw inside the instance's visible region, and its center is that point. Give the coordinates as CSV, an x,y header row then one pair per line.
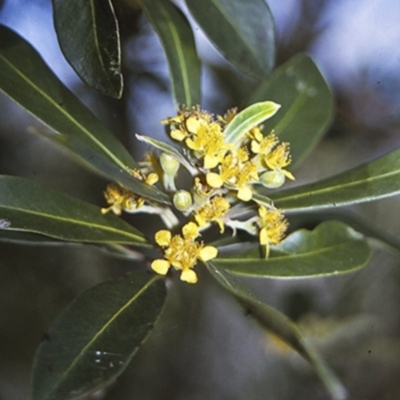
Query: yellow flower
x,y
279,158
213,211
263,145
208,143
273,225
120,199
182,252
235,172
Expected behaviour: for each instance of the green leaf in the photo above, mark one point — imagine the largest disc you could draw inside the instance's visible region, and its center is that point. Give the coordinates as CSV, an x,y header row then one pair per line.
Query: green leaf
x,y
94,339
275,322
249,118
307,104
24,72
371,181
371,232
330,249
177,39
88,34
243,31
29,207
97,163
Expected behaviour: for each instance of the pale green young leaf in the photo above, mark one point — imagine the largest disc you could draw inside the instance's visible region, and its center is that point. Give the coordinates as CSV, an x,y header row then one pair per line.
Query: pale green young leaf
x,y
371,181
178,42
87,31
331,248
24,72
29,207
248,119
95,338
278,324
307,104
243,31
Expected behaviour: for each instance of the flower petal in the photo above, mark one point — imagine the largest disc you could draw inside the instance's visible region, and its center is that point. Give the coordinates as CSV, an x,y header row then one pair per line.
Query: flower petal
x,y
189,276
190,231
208,253
160,266
214,180
163,238
245,193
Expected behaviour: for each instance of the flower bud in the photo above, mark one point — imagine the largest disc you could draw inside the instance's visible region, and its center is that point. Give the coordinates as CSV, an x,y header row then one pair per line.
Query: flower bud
x,y
182,200
170,166
272,179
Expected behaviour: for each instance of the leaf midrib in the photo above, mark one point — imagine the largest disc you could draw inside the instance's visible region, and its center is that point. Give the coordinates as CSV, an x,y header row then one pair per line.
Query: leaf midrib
x,y
246,43
62,111
105,326
340,186
288,256
106,228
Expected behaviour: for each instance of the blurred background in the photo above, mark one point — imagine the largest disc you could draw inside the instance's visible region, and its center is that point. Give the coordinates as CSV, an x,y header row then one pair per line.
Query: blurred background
x,y
205,347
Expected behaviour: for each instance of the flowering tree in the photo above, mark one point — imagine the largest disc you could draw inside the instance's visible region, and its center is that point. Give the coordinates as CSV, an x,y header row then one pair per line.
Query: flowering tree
x,y
217,187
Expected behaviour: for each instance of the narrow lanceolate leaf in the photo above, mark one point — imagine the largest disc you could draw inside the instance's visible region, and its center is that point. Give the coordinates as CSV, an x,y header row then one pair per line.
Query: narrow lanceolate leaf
x,y
330,249
371,181
102,166
249,118
243,31
278,324
177,39
307,104
30,207
24,72
166,148
88,34
94,340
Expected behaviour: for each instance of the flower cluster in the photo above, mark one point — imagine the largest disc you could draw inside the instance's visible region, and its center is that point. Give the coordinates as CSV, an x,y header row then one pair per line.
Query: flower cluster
x,y
225,170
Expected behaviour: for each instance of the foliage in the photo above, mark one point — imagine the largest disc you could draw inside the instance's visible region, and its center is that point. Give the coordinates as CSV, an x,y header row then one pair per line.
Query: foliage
x,y
237,167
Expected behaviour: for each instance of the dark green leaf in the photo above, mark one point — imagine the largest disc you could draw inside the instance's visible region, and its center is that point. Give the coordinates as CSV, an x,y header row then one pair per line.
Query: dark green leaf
x,y
24,72
249,118
88,34
371,181
177,39
243,31
30,207
307,104
102,166
94,340
275,322
330,249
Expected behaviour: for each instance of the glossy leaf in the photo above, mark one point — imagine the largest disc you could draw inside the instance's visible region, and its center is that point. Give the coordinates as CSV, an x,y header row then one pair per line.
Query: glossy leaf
x,y
330,249
102,166
24,72
177,39
243,31
94,339
371,181
307,104
248,119
29,207
278,324
88,34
